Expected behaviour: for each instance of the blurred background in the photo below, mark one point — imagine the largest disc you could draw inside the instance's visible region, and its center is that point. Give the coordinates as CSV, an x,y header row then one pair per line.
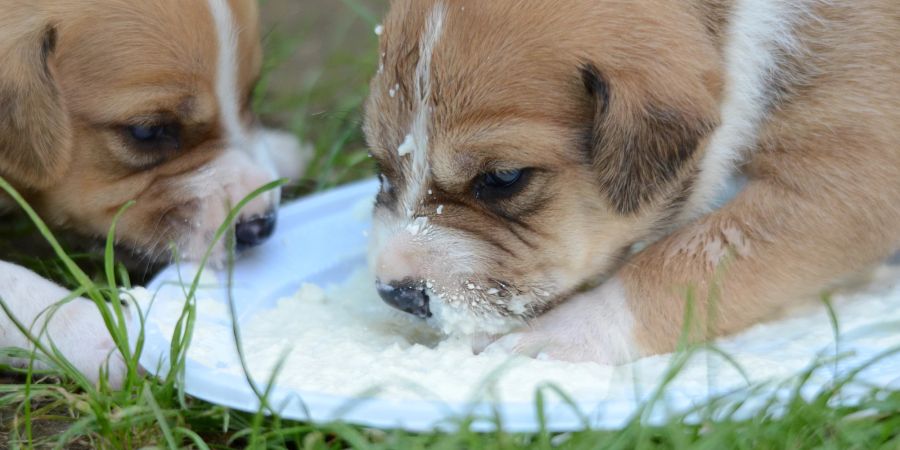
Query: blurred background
x,y
321,54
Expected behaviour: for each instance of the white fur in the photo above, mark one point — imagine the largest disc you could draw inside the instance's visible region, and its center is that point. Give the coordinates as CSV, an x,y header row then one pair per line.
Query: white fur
x,y
226,73
418,148
596,326
391,234
758,30
76,327
227,90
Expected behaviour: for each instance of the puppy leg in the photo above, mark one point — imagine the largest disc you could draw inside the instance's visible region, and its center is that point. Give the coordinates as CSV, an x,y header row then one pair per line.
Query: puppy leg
x,y
784,238
76,328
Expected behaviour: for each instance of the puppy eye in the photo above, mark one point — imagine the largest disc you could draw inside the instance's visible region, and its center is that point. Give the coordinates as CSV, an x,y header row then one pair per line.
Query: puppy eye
x,y
154,135
503,178
501,184
146,133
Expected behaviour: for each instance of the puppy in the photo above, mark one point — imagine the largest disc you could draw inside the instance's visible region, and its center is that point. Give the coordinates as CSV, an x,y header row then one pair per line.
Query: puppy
x,y
549,168
107,101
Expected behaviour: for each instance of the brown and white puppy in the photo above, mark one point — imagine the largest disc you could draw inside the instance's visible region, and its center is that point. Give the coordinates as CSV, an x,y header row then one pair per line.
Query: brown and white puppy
x,y
107,101
550,167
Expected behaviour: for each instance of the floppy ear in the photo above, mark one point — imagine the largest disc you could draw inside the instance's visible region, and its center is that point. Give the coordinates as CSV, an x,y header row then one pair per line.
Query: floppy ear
x,y
34,126
640,145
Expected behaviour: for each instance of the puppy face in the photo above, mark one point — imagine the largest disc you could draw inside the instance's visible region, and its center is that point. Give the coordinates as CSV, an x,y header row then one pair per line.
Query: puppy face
x,y
145,101
526,147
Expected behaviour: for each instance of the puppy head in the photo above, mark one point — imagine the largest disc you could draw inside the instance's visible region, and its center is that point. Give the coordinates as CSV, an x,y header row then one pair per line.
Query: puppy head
x,y
525,147
107,101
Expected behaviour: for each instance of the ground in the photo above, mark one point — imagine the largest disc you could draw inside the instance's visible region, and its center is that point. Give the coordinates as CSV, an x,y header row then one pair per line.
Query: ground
x,y
321,54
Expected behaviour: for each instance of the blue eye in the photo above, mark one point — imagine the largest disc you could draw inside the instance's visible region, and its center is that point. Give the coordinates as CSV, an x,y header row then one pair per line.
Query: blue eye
x,y
502,184
503,178
145,133
155,137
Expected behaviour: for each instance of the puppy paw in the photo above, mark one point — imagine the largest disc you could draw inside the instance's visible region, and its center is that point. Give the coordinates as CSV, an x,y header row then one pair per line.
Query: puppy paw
x,y
79,332
76,328
550,346
593,327
530,344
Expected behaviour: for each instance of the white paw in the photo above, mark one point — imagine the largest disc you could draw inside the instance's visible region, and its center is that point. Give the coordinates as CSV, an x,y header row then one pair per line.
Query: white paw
x,y
76,328
596,326
549,346
79,332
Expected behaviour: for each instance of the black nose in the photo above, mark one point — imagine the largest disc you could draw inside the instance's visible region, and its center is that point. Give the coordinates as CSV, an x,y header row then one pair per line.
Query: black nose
x,y
407,297
254,231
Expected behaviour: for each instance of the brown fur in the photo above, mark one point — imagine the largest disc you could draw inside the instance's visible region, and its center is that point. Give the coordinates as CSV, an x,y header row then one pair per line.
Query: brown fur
x,y
716,16
33,123
823,203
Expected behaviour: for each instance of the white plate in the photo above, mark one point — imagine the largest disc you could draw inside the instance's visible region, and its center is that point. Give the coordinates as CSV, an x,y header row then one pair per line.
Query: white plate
x,y
321,240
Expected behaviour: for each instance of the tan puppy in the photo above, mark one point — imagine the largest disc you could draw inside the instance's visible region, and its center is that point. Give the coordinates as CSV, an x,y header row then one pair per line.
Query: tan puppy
x,y
530,148
106,101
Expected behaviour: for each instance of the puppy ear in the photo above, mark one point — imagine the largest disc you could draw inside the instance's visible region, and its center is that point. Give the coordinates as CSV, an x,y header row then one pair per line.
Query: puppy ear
x,y
34,126
639,146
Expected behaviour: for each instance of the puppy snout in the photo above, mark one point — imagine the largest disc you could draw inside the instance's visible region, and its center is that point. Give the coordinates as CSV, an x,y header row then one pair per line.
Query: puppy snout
x,y
254,231
406,296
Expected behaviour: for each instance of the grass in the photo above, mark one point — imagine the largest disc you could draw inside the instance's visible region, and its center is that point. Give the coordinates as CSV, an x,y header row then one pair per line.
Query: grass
x,y
60,409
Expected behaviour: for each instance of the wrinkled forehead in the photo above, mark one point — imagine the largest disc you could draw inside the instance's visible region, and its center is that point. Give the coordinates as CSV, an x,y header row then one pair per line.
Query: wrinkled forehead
x,y
490,75
159,46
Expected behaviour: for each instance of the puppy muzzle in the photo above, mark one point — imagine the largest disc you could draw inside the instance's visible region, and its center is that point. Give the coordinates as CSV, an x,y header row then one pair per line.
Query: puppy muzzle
x,y
406,296
254,231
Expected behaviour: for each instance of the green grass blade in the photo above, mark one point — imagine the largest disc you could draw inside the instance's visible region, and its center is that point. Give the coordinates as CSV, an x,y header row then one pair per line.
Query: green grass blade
x,y
160,418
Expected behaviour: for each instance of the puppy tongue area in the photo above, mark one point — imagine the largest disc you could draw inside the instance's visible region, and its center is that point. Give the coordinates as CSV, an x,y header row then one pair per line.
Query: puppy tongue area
x,y
342,340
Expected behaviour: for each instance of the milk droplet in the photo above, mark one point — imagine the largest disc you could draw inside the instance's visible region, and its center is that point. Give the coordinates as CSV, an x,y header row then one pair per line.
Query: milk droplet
x,y
407,146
